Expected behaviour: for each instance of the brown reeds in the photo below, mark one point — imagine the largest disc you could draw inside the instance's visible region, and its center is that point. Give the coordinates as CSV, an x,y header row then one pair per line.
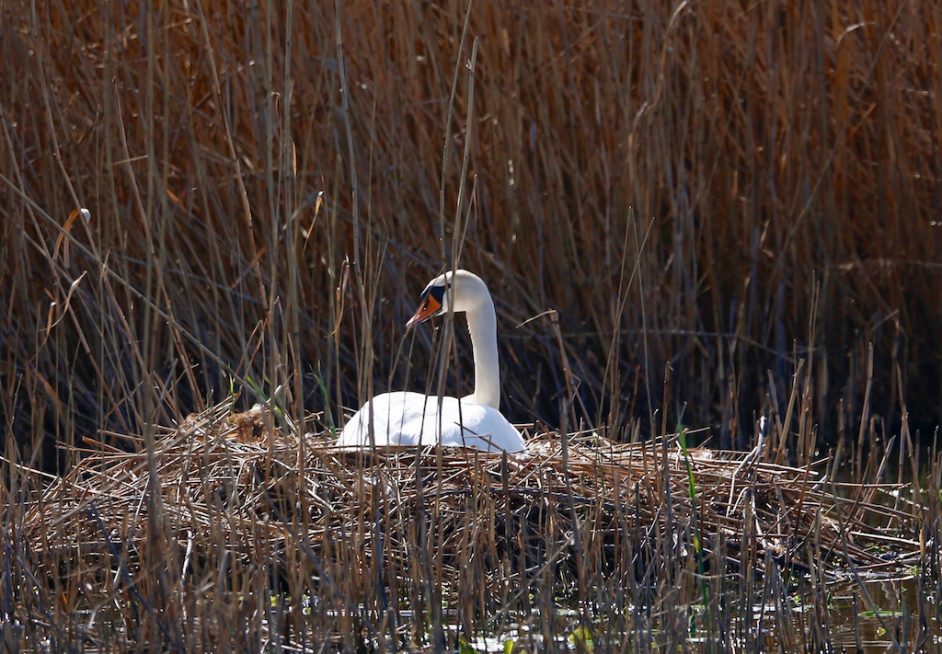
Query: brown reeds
x,y
685,183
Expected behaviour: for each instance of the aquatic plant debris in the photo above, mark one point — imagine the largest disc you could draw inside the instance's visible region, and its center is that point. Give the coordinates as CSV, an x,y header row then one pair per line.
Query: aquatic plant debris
x,y
233,480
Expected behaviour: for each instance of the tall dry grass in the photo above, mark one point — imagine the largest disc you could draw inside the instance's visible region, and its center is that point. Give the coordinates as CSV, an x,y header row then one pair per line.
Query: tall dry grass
x,y
717,190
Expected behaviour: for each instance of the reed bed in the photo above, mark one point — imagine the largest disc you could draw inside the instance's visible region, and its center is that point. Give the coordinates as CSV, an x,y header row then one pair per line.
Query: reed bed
x,y
686,212
351,533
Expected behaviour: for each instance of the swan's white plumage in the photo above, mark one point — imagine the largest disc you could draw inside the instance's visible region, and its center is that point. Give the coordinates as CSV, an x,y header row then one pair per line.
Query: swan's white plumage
x,y
405,418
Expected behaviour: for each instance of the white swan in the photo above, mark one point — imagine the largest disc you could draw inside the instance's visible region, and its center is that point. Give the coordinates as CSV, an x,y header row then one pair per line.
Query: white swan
x,y
404,418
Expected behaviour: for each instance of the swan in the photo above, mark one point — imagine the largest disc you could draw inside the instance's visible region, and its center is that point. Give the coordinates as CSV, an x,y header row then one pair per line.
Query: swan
x,y
405,418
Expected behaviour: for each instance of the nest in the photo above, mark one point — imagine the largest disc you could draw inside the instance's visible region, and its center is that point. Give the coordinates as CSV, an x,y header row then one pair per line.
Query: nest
x,y
225,484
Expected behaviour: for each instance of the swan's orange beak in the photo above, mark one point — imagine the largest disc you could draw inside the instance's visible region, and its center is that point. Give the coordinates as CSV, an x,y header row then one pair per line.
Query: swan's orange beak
x,y
429,307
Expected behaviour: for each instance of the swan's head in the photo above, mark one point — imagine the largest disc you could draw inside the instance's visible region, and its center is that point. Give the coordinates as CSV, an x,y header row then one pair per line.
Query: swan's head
x,y
462,290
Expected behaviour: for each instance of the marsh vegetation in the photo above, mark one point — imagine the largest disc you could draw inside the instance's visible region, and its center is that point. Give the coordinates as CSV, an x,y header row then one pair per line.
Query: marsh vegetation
x,y
690,215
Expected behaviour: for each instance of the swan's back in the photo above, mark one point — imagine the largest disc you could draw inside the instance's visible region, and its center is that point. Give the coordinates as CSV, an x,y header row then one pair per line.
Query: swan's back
x,y
405,418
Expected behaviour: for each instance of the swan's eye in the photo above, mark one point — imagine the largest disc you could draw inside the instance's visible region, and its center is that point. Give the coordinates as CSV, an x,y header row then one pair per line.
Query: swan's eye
x,y
437,294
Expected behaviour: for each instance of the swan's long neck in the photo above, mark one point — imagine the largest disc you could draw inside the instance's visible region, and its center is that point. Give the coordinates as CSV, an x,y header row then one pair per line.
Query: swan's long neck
x,y
482,323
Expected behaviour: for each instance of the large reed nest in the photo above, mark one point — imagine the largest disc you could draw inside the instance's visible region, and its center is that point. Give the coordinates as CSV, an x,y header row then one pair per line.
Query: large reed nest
x,y
234,483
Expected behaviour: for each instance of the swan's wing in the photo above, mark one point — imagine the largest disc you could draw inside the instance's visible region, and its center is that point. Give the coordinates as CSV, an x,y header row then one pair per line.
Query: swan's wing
x,y
481,427
405,418
401,418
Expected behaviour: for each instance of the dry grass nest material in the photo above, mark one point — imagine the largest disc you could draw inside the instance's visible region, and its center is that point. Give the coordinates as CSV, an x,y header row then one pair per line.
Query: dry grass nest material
x,y
236,481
